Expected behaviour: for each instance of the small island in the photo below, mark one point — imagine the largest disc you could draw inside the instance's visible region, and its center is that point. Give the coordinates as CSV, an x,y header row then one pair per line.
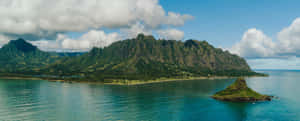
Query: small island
x,y
240,92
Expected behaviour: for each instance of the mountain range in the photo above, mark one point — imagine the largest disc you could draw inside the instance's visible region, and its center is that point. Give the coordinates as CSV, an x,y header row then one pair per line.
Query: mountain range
x,y
140,58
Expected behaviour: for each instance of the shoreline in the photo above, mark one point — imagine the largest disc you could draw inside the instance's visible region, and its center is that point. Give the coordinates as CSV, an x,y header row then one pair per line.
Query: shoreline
x,y
129,82
15,78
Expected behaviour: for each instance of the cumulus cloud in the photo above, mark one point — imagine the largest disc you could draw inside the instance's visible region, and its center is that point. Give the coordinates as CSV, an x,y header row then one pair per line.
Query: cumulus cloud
x,y
93,38
44,18
254,43
177,19
171,34
134,30
289,38
46,45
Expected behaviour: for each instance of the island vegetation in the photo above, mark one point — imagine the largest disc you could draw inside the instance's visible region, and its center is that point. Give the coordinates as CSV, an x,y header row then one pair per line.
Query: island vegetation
x,y
140,59
240,92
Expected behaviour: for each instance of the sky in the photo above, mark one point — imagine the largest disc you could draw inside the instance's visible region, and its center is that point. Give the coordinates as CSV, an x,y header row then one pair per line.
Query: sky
x,y
265,32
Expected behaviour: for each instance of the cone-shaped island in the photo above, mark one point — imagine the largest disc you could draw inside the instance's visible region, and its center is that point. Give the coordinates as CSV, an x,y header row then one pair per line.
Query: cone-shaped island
x,y
240,92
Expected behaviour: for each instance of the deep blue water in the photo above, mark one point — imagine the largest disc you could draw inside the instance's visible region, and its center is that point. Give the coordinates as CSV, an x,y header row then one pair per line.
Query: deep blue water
x,y
180,100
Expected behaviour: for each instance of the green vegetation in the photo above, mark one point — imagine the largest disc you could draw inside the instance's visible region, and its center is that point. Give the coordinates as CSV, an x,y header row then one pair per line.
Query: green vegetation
x,y
19,56
142,58
239,91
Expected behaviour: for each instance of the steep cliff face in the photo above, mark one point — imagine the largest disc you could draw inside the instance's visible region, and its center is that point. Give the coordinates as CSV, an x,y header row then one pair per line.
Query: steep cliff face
x,y
146,58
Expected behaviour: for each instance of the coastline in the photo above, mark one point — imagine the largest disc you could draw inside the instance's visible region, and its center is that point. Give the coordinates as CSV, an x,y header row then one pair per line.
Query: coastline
x,y
130,82
14,78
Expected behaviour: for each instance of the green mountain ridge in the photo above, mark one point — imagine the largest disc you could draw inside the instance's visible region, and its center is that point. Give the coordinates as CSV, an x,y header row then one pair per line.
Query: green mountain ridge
x,y
145,58
141,58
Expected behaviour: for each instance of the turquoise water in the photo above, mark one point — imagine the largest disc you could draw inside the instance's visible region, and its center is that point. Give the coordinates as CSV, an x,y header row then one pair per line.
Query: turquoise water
x,y
181,100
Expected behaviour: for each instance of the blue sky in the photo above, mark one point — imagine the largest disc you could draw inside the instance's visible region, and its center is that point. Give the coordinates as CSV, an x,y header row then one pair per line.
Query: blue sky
x,y
265,32
223,22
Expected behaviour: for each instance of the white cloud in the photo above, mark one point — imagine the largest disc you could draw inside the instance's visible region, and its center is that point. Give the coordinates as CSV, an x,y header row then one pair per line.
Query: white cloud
x,y
289,38
47,17
263,53
91,39
47,45
4,40
134,30
254,44
171,34
48,21
177,19
87,41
